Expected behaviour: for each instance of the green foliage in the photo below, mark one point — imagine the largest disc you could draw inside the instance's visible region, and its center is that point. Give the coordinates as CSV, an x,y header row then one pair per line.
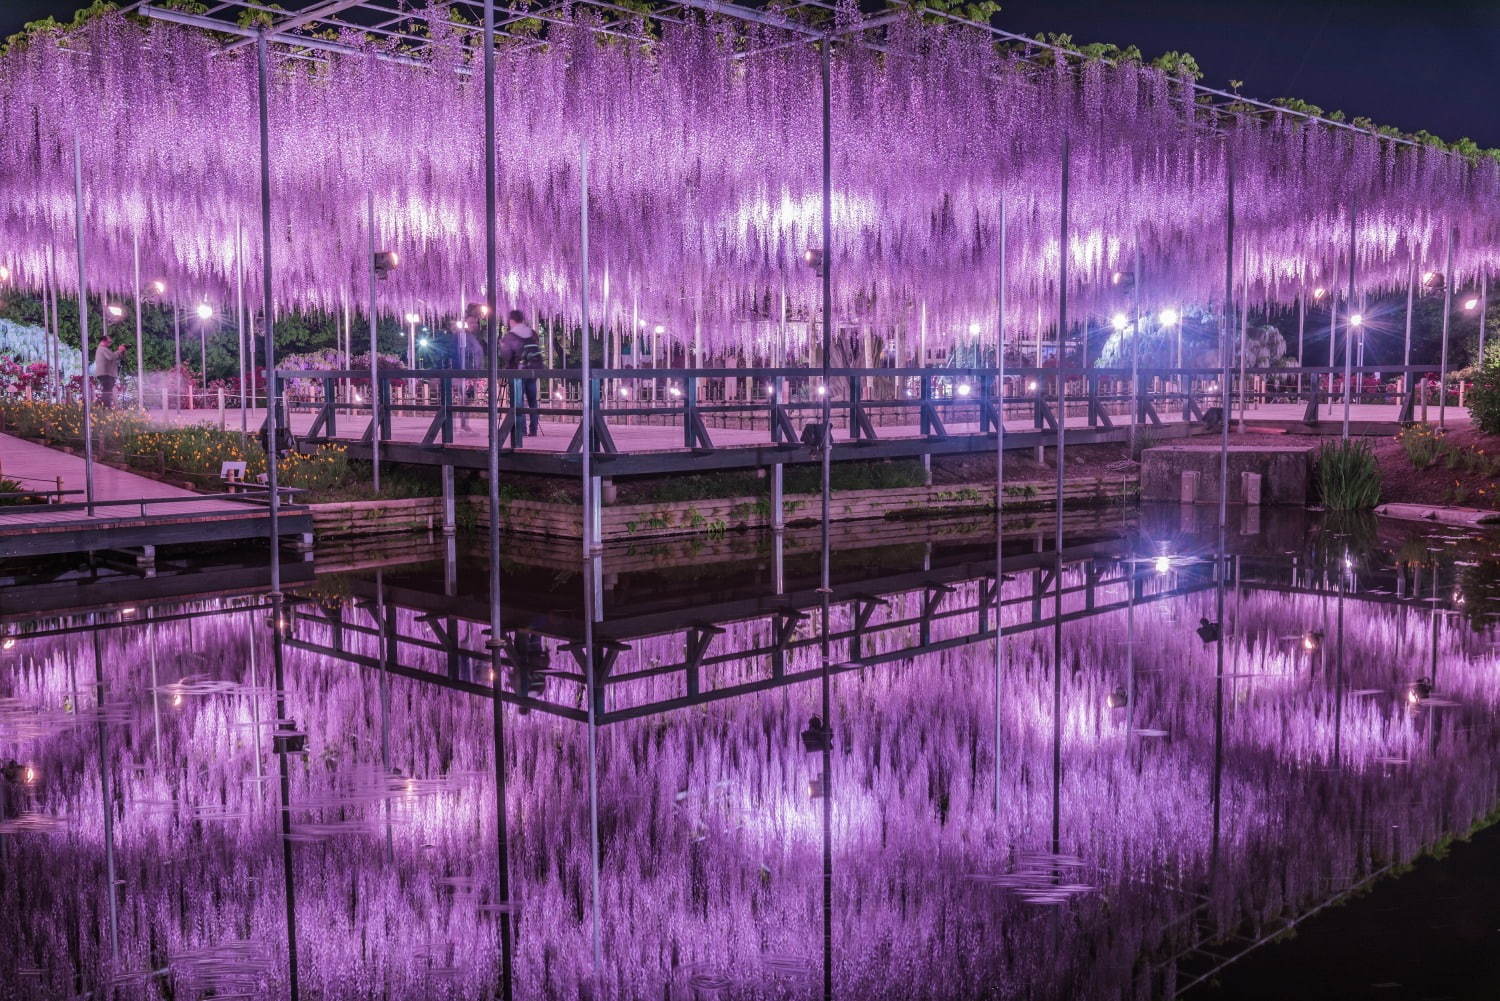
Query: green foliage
x,y
887,474
1484,399
1348,476
1178,64
51,25
979,13
1421,444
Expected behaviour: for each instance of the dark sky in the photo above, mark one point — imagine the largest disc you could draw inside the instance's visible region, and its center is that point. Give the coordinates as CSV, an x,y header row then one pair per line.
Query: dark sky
x,y
1405,63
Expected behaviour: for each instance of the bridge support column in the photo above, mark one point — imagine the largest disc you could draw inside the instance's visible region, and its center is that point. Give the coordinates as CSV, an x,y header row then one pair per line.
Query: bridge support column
x,y
449,514
594,512
778,503
926,469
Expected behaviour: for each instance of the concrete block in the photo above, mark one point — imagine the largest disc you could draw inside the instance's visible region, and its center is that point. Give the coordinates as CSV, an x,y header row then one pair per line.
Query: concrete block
x,y
1250,488
1284,473
1189,486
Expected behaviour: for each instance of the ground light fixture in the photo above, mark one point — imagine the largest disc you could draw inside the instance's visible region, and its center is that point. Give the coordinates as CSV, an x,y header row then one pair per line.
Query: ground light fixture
x,y
422,342
1117,699
1169,317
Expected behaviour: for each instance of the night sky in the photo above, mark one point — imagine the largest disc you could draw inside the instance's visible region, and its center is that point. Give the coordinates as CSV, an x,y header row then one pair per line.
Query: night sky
x,y
1405,63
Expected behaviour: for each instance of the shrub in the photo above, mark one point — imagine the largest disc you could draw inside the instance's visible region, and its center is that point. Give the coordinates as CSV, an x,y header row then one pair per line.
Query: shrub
x,y
1421,444
1348,476
1484,400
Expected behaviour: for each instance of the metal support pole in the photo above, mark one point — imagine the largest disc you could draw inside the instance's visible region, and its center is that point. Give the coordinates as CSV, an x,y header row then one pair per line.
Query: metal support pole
x,y
591,546
1216,789
492,323
1301,330
1244,313
140,364
1353,331
1447,319
375,401
1135,351
268,304
1484,304
999,397
1411,285
83,328
1062,326
239,317
825,65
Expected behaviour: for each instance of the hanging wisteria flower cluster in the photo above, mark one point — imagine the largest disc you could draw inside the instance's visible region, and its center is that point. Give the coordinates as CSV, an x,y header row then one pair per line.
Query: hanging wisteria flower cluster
x,y
704,151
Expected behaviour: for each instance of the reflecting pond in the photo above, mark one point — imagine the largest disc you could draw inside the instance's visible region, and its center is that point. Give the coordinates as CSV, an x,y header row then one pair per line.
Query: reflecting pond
x,y
724,783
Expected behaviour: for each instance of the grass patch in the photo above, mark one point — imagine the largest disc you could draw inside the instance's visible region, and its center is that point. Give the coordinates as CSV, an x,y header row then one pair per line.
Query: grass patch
x,y
1348,476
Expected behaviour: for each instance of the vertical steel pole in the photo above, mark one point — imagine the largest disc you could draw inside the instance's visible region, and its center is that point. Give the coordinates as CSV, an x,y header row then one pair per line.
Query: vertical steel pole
x,y
1216,787
825,65
83,327
239,316
177,347
272,475
375,428
1407,382
1484,305
1244,314
1135,350
1447,320
999,490
140,364
1060,450
1301,331
591,544
1353,331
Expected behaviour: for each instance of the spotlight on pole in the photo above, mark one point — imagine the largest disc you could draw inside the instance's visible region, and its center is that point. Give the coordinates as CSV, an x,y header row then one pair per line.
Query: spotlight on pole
x,y
386,261
1117,699
1119,321
1319,292
422,342
661,328
115,312
813,258
1471,304
1169,317
204,311
1357,320
413,318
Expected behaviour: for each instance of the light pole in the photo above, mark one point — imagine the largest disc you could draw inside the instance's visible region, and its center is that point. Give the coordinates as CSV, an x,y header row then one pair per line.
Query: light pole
x,y
205,314
412,319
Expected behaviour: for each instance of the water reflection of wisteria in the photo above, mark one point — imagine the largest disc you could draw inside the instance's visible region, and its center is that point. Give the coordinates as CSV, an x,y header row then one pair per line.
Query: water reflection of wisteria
x,y
946,879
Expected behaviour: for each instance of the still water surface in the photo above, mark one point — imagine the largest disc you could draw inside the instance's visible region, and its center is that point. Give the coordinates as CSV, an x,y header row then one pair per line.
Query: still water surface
x,y
205,805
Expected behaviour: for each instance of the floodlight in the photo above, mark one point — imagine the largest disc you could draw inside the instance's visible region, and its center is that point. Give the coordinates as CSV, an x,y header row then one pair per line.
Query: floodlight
x,y
413,318
1471,304
386,261
963,389
1117,699
1357,320
1169,317
1119,321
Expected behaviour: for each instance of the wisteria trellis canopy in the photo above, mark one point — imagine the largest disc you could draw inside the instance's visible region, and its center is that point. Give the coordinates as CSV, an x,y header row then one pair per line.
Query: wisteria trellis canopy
x,y
704,139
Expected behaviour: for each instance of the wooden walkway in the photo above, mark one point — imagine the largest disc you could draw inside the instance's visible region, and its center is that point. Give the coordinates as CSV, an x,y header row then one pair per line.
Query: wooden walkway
x,y
158,513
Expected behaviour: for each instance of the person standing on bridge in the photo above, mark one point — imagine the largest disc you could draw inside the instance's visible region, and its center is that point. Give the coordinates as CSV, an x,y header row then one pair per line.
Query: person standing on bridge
x,y
107,370
519,349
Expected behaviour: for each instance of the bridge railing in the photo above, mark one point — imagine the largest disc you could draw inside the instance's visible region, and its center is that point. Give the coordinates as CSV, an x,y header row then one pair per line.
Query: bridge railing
x,y
436,406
